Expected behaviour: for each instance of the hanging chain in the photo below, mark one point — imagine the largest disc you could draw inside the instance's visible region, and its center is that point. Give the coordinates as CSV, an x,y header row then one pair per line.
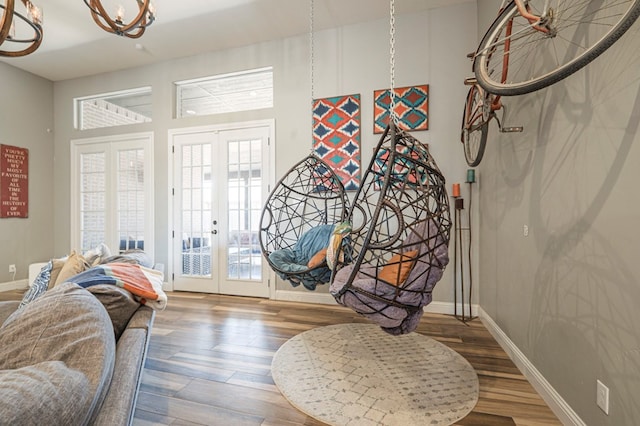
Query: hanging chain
x,y
392,54
311,19
311,59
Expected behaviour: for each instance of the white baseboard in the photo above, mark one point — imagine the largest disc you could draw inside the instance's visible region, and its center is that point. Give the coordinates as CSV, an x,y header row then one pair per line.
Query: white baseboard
x,y
306,296
14,285
445,308
558,405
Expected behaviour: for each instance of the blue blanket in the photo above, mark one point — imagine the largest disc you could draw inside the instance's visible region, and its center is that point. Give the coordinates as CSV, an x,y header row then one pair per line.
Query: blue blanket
x,y
292,263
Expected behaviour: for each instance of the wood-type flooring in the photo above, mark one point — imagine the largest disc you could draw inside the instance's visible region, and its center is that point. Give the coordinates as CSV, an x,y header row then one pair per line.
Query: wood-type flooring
x,y
209,363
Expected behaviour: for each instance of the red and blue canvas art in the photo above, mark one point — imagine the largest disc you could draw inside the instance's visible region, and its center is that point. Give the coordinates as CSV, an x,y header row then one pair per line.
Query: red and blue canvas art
x,y
336,136
411,108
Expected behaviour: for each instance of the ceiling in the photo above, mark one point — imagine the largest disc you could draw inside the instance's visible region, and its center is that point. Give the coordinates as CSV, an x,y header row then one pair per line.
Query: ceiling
x,y
74,46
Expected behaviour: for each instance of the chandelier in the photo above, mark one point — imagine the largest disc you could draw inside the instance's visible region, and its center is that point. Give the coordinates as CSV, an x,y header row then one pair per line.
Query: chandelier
x,y
133,29
23,44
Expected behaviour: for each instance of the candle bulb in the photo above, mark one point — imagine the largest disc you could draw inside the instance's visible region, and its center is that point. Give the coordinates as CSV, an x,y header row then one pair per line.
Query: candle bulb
x,y
120,14
471,175
456,190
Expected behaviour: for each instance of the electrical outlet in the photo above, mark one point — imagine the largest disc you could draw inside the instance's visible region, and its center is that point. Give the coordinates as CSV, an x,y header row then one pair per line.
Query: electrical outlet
x,y
525,230
12,269
602,397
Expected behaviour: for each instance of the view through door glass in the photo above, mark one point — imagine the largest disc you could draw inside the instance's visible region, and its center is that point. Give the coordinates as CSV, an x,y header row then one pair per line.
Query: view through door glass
x,y
197,223
244,179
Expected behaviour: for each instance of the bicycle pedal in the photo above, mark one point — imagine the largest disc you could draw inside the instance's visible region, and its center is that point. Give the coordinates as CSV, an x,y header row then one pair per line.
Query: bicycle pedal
x,y
515,129
470,81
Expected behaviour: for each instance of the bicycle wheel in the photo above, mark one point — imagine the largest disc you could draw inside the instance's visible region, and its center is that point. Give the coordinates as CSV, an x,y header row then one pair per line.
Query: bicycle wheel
x,y
579,31
475,124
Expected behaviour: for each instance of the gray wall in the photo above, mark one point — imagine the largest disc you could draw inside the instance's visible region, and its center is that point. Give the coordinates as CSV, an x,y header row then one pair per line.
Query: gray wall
x,y
26,115
353,59
567,294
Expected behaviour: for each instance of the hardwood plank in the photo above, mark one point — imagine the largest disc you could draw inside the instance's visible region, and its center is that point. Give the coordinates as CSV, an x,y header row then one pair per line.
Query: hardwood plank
x,y
193,412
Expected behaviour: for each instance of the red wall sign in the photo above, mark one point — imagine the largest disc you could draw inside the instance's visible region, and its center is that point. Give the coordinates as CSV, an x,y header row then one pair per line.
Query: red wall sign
x,y
14,181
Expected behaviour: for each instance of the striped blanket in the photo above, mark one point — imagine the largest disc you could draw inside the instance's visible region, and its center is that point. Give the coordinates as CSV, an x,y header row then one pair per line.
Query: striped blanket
x,y
144,283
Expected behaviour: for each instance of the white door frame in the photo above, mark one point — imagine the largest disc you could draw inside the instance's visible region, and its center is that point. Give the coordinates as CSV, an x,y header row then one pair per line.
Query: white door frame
x,y
271,178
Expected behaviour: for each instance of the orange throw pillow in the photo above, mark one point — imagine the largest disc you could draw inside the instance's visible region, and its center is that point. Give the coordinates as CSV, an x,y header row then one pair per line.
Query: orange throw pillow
x,y
397,269
317,259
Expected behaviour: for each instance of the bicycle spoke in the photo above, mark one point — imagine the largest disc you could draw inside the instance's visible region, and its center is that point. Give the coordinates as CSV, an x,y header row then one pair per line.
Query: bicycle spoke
x,y
579,30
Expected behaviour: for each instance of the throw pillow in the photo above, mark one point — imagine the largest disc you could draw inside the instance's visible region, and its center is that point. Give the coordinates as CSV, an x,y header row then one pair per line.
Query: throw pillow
x,y
40,285
96,255
318,259
398,268
58,264
73,266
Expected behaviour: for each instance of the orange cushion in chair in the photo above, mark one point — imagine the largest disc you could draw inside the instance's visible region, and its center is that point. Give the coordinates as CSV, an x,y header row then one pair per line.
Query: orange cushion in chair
x,y
397,269
317,259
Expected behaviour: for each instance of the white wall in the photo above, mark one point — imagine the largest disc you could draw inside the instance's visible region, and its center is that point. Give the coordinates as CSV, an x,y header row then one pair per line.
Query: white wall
x,y
348,60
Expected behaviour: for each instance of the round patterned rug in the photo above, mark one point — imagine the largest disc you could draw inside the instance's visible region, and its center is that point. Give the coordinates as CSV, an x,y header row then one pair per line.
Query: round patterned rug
x,y
356,374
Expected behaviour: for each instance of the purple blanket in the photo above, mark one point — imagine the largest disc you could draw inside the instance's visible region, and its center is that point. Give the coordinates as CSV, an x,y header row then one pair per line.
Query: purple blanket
x,y
413,294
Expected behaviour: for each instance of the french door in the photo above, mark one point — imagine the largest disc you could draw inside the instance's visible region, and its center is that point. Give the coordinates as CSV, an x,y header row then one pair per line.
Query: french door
x,y
112,193
220,182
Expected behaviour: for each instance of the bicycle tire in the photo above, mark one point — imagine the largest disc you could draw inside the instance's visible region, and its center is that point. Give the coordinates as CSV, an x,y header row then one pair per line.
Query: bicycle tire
x,y
475,125
534,58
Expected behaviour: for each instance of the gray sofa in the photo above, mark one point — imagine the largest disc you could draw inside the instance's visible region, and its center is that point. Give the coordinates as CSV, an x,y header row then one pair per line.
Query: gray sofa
x,y
72,356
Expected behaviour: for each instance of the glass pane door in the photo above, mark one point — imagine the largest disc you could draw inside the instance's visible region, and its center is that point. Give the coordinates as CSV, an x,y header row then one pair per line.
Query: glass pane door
x,y
245,162
195,255
196,210
93,195
131,199
218,197
111,193
244,179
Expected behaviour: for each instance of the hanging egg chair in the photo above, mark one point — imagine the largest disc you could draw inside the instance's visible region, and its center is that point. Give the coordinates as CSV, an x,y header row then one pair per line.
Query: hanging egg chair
x,y
298,220
400,234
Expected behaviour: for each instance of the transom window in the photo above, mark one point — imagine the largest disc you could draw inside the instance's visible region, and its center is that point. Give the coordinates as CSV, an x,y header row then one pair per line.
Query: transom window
x,y
120,108
240,91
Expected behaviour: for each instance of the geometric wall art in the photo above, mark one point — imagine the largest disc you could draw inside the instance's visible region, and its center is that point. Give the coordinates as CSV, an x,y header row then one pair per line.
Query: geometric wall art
x,y
336,136
411,108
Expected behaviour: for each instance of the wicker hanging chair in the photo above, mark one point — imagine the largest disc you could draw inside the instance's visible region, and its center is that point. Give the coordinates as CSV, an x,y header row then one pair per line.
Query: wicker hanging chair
x,y
400,236
298,220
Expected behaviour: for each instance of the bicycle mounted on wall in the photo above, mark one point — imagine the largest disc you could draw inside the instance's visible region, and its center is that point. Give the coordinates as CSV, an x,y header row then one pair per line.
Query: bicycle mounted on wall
x,y
531,45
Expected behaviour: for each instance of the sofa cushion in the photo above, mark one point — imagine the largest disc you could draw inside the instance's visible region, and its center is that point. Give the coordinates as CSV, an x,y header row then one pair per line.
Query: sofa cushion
x,y
66,324
119,303
45,391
